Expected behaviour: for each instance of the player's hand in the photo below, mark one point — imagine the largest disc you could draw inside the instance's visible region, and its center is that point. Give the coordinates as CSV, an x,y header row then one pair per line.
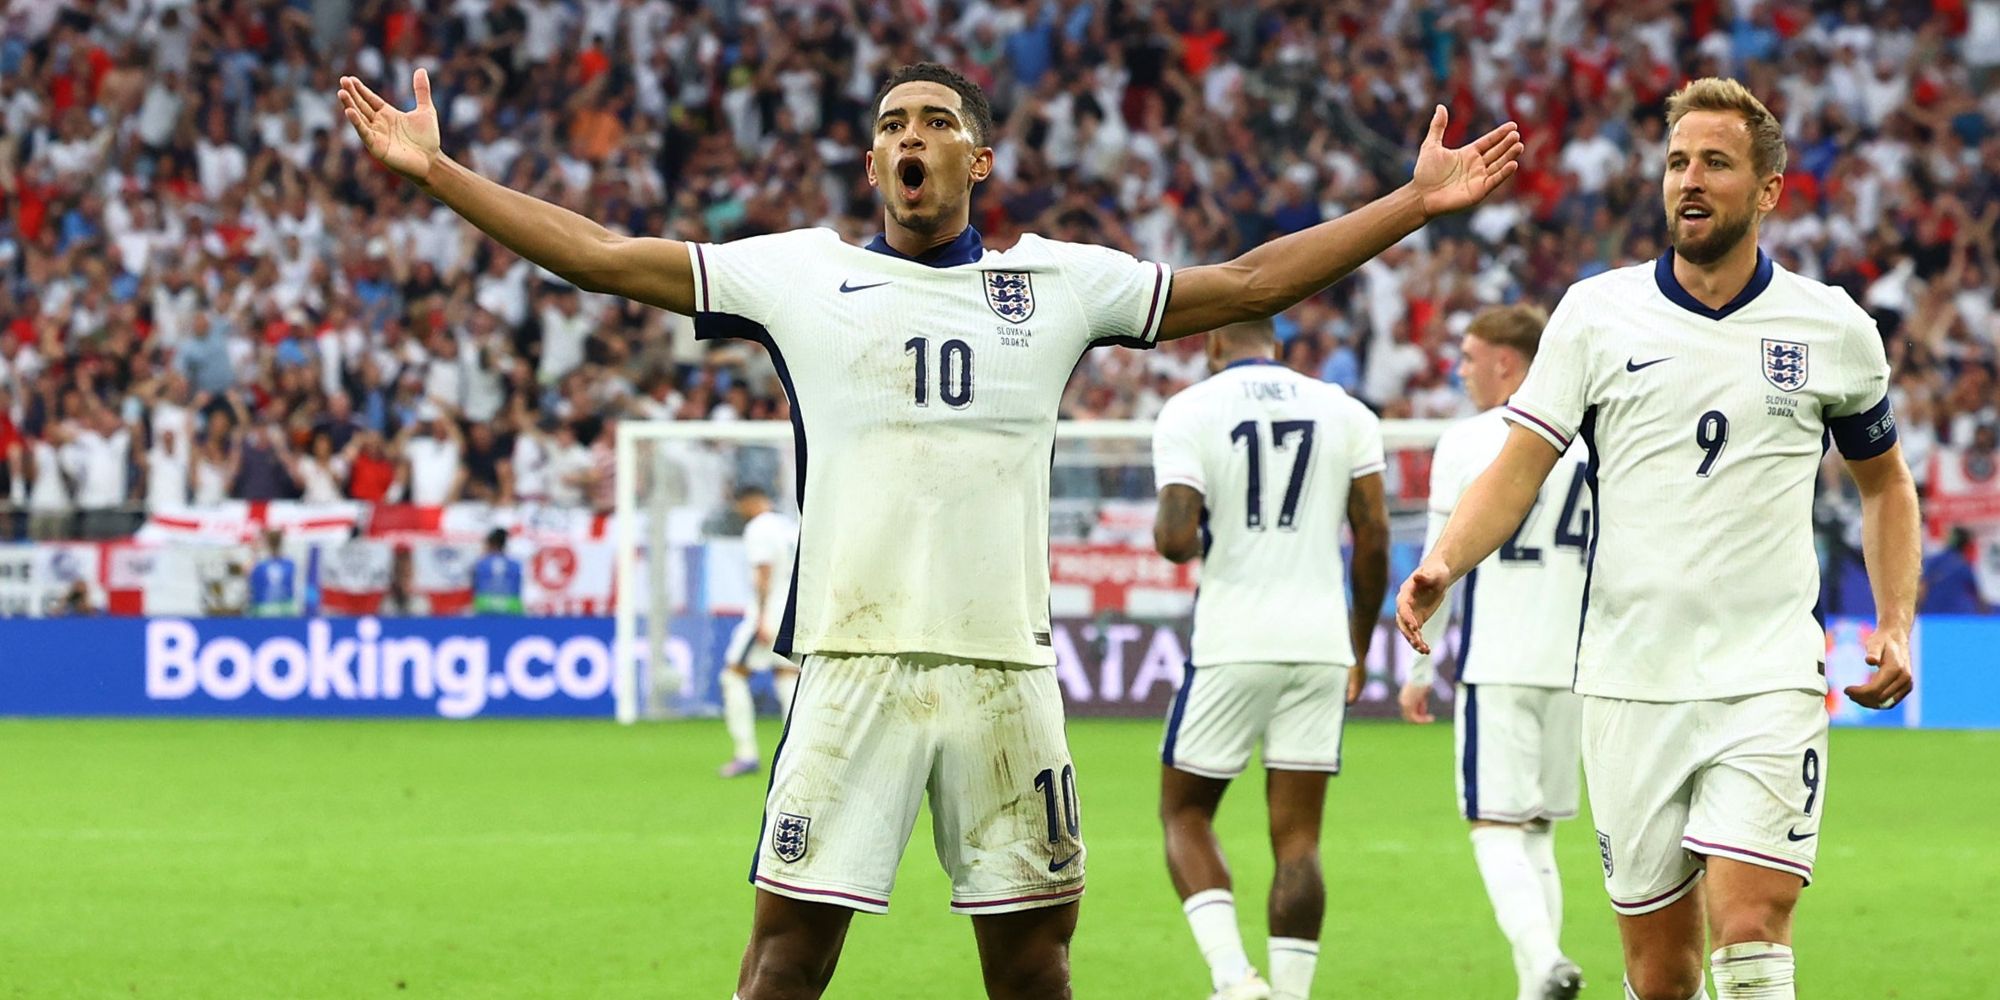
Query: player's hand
x,y
1357,678
1415,700
1889,654
1419,600
1452,180
405,141
766,636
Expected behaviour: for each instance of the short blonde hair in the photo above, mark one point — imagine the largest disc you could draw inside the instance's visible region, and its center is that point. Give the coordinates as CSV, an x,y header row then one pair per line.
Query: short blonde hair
x,y
1767,136
1518,327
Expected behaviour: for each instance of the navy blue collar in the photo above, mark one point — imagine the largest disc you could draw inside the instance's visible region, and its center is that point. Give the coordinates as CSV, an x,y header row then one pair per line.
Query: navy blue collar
x,y
965,248
1670,286
1247,362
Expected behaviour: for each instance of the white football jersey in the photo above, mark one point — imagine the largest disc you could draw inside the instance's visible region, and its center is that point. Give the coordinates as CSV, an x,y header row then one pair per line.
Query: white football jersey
x,y
1518,613
1705,429
1272,453
924,396
771,539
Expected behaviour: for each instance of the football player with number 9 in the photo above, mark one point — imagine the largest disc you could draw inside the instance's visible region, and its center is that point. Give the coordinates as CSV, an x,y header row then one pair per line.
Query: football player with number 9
x,y
1703,385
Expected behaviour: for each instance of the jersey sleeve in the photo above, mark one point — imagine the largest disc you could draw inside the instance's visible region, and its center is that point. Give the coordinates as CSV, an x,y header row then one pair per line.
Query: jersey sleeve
x,y
1552,401
1447,477
739,286
1124,298
1365,456
761,542
1177,449
1859,417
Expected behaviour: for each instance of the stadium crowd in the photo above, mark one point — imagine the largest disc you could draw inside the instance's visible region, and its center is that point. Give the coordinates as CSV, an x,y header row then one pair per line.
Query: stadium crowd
x,y
208,292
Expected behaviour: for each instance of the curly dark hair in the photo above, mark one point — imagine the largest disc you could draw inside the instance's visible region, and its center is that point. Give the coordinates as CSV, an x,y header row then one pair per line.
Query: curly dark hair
x,y
978,114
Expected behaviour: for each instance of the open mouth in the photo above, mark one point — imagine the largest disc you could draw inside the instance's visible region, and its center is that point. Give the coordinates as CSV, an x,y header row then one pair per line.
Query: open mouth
x,y
911,173
1691,213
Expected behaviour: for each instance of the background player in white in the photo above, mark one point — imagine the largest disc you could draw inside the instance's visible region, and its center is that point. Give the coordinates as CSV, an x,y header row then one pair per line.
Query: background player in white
x,y
925,374
770,542
1516,718
1255,468
1704,385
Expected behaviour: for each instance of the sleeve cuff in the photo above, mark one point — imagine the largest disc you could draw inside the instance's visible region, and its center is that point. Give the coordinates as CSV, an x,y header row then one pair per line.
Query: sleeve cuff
x,y
1866,434
1540,425
1370,469
698,258
1156,314
1164,480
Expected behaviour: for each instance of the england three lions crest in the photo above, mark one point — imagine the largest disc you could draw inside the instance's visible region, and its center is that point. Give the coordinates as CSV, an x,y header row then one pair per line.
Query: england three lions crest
x,y
788,837
1785,364
1011,294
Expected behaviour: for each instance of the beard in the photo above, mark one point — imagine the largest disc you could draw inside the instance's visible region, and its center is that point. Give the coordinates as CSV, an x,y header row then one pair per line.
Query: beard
x,y
1724,233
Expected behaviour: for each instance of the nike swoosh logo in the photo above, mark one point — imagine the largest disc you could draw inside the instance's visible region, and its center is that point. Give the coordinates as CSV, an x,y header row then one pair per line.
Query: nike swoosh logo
x,y
1793,835
845,287
1056,866
1631,367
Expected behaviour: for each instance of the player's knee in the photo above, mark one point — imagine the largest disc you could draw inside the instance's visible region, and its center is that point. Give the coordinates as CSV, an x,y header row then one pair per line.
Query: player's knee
x,y
771,974
1022,979
1664,982
1753,920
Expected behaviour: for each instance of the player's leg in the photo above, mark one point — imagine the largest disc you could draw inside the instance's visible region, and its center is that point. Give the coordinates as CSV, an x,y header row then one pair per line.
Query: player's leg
x,y
739,711
785,681
1640,759
1007,822
1297,801
847,780
1024,955
1663,949
1301,751
1756,815
1562,789
794,945
1216,719
1501,739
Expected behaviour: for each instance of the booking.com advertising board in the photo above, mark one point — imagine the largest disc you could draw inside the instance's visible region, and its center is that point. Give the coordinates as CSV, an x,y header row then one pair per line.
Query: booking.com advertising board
x,y
458,668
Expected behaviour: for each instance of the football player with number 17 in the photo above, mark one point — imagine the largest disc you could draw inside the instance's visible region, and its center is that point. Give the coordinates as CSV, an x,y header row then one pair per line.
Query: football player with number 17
x,y
1703,385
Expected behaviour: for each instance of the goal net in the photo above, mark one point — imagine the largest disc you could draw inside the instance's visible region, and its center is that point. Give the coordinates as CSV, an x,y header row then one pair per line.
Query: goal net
x,y
1121,612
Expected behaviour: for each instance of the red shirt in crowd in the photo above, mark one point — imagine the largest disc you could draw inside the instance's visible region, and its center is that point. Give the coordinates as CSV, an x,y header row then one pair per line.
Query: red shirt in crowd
x,y
371,478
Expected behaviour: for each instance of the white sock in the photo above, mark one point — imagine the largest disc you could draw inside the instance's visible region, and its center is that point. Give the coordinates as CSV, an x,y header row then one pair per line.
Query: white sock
x,y
1292,964
787,682
1211,914
1752,970
1516,893
1541,840
1700,994
739,713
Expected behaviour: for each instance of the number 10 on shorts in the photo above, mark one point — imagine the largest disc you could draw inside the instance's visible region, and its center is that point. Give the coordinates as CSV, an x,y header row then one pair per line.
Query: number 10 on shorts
x,y
1062,816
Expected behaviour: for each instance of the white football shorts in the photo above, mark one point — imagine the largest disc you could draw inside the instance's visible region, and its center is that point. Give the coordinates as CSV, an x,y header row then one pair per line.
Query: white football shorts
x,y
1517,752
870,735
746,650
1222,711
1674,783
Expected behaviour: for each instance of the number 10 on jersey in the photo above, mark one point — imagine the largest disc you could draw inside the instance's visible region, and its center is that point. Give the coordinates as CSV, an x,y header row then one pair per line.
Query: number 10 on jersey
x,y
954,371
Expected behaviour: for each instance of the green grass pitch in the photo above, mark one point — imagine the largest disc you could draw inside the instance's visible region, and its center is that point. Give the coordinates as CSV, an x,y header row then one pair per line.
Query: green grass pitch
x,y
581,859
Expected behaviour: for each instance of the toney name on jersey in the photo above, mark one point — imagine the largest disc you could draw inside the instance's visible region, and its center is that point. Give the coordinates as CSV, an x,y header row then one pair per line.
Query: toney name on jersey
x,y
1706,429
924,409
1272,453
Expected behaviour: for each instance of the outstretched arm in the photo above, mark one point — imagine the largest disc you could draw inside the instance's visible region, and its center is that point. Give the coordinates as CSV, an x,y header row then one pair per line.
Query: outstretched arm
x,y
1490,510
1271,278
1891,546
654,271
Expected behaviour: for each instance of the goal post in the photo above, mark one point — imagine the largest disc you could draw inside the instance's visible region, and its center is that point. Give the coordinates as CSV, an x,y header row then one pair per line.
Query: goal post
x,y
681,581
